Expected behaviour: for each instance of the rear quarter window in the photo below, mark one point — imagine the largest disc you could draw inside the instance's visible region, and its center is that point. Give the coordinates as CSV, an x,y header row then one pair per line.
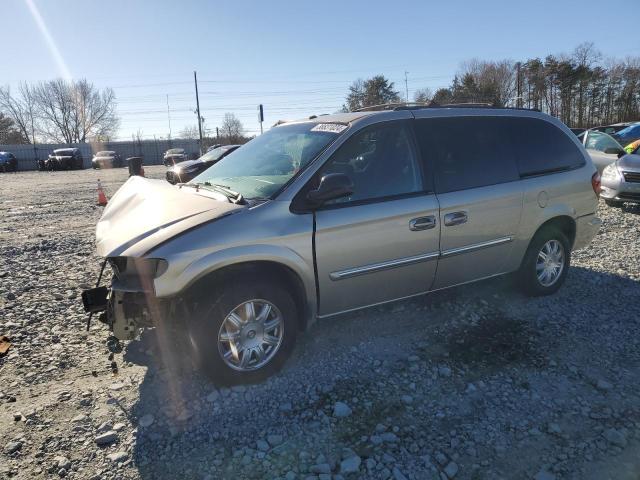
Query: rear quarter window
x,y
541,147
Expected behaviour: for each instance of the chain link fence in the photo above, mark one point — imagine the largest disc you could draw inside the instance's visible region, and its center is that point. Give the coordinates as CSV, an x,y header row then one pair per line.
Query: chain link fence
x,y
151,151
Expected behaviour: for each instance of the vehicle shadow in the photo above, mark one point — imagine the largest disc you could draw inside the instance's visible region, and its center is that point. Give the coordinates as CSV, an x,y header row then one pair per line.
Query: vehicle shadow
x,y
199,429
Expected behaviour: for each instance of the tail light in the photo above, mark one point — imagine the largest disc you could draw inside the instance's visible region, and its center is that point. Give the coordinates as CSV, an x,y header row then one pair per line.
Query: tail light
x,y
595,184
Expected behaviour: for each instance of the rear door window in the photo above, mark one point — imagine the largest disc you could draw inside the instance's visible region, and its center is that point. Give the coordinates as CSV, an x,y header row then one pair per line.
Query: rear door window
x,y
466,152
541,147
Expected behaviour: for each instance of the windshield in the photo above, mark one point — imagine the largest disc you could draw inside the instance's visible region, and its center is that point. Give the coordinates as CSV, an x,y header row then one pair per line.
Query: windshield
x,y
214,154
262,166
600,141
175,151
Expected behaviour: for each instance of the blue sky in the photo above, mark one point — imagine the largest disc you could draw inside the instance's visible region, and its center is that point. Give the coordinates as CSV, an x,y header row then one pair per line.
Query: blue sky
x,y
296,57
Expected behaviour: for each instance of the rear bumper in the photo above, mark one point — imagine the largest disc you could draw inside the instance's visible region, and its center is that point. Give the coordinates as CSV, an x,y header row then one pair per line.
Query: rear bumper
x,y
587,228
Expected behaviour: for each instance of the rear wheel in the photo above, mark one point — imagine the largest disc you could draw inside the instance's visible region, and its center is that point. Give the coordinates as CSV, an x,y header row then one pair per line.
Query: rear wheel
x,y
246,334
546,263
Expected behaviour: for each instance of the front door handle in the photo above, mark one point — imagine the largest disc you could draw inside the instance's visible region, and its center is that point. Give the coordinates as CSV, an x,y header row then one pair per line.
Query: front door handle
x,y
422,223
455,218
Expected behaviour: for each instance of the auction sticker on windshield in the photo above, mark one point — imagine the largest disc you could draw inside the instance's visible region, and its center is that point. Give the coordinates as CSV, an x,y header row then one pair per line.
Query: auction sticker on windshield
x,y
329,127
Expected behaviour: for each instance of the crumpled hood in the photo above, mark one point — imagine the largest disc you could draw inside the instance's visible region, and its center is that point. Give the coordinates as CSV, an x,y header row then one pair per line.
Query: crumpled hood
x,y
144,208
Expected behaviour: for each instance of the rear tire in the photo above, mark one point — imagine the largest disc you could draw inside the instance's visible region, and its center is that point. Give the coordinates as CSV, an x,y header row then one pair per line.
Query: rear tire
x,y
613,203
545,264
228,340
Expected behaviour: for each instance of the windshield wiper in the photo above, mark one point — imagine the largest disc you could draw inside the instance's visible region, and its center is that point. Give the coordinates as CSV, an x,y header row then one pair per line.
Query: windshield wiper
x,y
233,196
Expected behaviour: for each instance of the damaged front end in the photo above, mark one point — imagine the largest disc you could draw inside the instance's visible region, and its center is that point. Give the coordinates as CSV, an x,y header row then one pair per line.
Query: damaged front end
x,y
129,303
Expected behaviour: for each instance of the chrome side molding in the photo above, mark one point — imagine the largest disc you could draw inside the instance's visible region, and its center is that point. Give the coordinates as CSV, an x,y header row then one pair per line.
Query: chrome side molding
x,y
377,267
401,262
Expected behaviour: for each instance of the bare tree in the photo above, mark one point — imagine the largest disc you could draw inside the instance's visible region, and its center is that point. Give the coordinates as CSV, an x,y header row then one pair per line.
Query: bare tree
x,y
190,132
232,129
21,109
423,95
62,111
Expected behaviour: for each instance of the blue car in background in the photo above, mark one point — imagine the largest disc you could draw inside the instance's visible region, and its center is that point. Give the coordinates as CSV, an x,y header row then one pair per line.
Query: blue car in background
x,y
8,162
628,135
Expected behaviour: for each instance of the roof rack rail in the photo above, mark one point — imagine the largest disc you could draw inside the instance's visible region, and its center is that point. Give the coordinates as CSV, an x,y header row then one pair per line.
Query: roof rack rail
x,y
420,105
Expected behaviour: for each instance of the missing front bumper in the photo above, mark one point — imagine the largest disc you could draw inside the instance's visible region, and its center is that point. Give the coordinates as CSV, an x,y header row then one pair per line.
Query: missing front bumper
x,y
126,312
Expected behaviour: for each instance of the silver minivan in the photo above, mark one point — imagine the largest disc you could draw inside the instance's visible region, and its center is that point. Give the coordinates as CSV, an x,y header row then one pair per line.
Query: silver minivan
x,y
335,213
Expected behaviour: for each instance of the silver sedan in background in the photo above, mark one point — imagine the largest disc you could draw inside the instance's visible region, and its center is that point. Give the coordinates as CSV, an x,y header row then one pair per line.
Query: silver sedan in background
x,y
621,181
602,148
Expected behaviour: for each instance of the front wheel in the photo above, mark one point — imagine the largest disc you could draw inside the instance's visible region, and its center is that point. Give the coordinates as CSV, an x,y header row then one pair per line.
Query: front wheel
x,y
246,334
546,263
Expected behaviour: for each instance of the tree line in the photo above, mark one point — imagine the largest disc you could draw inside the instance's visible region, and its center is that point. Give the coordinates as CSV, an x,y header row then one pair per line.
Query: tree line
x,y
579,88
59,111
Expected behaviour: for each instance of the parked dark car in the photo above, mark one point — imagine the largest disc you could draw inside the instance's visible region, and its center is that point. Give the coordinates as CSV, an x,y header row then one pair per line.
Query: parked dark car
x,y
63,159
175,155
628,135
8,162
188,170
613,128
107,159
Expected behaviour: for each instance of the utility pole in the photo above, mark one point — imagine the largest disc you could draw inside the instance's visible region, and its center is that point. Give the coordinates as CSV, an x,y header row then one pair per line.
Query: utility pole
x,y
406,84
518,87
169,116
195,80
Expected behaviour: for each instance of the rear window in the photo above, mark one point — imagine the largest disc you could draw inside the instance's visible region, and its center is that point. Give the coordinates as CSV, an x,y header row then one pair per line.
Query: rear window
x,y
541,147
466,152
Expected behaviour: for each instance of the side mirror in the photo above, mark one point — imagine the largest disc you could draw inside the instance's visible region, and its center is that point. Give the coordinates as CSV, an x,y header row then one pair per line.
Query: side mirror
x,y
332,186
615,151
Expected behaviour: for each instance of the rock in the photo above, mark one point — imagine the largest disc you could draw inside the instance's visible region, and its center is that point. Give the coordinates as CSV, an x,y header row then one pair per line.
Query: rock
x,y
350,465
106,438
12,447
118,457
320,468
451,469
389,437
114,387
262,445
544,475
79,418
274,440
341,409
290,475
10,296
398,475
286,407
603,385
554,428
444,371
62,462
407,399
213,396
146,420
616,437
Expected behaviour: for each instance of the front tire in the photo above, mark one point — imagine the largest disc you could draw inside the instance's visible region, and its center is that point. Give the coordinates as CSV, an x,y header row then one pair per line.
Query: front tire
x,y
245,335
546,263
613,203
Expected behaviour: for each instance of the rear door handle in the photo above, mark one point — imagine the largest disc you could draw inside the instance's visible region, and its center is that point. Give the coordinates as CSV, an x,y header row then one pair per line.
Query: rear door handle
x,y
455,218
422,223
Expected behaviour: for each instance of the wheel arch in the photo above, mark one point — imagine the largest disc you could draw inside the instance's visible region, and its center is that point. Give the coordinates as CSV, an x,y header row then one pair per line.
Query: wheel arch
x,y
565,223
271,269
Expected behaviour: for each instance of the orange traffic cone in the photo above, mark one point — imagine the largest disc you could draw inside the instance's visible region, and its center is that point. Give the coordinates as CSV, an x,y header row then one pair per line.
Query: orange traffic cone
x,y
102,198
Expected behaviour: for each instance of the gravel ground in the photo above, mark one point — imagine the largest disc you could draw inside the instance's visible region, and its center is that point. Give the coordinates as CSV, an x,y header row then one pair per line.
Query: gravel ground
x,y
477,382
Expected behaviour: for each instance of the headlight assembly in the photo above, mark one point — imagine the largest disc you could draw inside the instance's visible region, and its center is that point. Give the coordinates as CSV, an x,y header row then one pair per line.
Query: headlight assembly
x,y
610,173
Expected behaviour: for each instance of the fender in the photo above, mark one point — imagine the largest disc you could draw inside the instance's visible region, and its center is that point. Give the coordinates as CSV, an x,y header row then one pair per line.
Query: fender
x,y
170,285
